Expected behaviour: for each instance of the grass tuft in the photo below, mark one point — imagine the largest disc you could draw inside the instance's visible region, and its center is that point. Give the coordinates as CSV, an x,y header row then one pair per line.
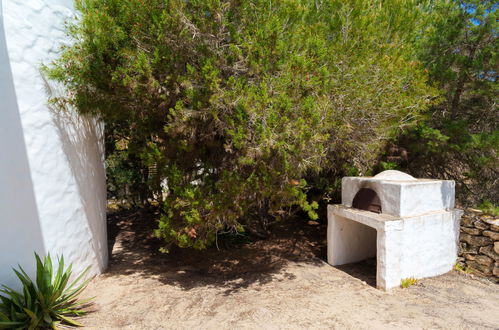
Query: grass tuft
x,y
407,282
459,267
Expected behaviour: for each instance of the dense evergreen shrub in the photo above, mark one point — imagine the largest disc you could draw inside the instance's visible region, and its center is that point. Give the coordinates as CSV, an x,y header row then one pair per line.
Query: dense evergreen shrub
x,y
458,138
234,103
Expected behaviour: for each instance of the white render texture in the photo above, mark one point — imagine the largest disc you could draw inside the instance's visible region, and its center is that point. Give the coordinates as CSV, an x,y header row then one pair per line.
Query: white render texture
x,y
52,177
416,245
404,197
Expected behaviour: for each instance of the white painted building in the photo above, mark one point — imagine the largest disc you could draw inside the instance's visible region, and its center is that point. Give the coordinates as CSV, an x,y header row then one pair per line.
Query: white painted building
x,y
52,177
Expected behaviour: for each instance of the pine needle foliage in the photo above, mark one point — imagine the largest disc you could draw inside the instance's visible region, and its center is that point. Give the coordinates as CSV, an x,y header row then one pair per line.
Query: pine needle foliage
x,y
459,138
235,102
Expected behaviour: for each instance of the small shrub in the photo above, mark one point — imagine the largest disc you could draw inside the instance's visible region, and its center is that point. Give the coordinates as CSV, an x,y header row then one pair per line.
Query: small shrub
x,y
462,268
407,282
490,208
44,303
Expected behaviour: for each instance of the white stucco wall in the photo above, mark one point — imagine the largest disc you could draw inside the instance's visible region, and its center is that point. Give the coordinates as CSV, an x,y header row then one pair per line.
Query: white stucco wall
x,y
52,178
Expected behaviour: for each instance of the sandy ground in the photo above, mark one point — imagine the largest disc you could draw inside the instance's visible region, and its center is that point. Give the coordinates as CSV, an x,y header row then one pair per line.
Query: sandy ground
x,y
279,283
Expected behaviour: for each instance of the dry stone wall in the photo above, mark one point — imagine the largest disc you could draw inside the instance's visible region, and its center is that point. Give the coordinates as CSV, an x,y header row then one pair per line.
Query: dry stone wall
x,y
479,243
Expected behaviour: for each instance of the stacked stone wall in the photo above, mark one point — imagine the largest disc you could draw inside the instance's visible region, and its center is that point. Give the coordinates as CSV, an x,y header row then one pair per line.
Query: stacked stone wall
x,y
479,243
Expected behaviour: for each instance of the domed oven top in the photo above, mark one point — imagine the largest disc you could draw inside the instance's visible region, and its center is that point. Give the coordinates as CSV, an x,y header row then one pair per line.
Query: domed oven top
x,y
393,175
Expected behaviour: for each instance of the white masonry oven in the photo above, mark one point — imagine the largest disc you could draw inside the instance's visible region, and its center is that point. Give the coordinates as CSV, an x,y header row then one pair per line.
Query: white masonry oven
x,y
410,225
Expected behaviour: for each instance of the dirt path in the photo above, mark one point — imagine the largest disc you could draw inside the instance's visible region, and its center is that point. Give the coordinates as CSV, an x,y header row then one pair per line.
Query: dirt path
x,y
280,283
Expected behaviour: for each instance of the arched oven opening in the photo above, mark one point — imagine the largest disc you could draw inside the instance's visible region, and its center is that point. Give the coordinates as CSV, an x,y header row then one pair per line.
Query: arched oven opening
x,y
367,199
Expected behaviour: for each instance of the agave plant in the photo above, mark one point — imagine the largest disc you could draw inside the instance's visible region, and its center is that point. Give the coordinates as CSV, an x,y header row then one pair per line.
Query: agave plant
x,y
46,303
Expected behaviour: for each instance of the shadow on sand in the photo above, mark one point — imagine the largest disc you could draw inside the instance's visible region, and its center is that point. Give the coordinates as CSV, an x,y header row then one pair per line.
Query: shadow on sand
x,y
363,270
134,250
